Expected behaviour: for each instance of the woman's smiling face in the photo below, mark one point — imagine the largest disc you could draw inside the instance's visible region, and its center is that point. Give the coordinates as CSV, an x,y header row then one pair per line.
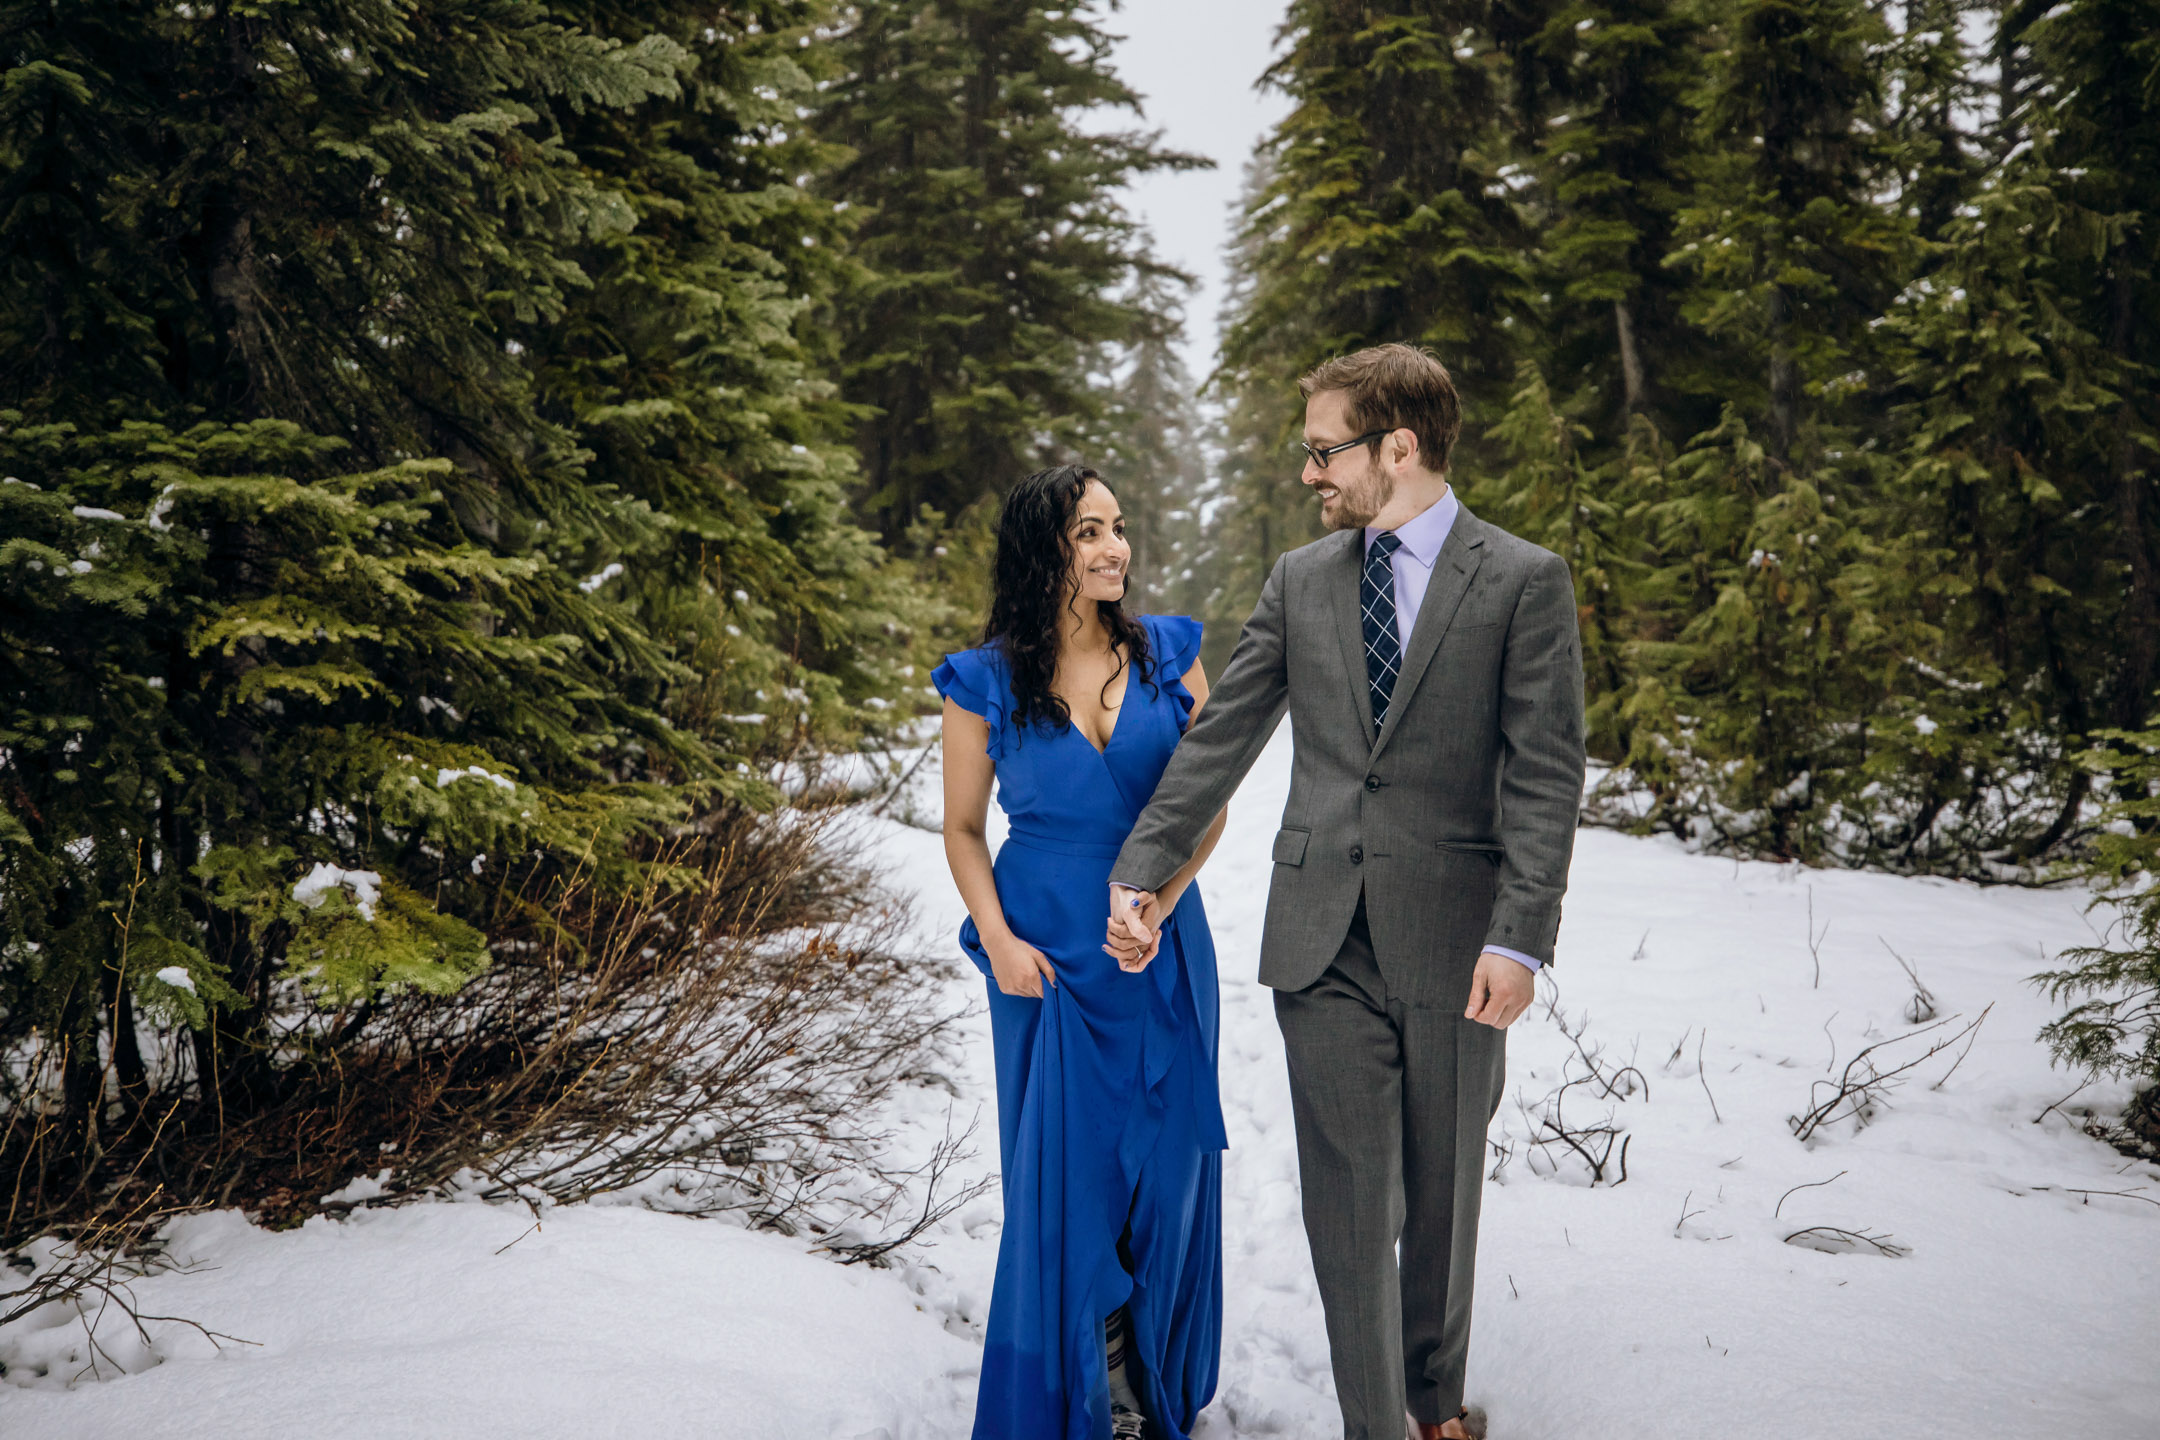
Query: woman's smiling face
x,y
1101,555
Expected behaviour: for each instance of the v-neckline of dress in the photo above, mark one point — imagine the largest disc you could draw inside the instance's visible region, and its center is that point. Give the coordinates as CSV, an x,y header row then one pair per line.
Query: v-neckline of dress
x,y
1115,721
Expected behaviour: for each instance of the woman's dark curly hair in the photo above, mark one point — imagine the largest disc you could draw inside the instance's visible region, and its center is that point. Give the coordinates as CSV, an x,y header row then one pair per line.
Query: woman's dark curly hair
x,y
1030,587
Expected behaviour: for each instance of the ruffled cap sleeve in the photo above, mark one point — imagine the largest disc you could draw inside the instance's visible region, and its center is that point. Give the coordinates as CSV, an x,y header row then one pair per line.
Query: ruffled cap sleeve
x,y
975,681
1175,643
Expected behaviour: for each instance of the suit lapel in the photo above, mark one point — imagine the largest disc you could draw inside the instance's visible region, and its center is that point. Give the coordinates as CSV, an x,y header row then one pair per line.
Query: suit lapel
x,y
1453,571
1344,572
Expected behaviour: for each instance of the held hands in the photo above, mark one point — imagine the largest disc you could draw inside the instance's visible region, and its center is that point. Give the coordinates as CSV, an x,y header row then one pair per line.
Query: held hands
x,y
1500,990
1019,967
1134,934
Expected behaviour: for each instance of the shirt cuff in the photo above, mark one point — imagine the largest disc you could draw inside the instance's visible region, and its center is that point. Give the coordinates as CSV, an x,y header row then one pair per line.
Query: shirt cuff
x,y
1517,956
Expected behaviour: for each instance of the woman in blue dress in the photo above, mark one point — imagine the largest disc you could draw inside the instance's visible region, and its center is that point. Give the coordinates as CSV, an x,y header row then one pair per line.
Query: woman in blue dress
x,y
1106,1318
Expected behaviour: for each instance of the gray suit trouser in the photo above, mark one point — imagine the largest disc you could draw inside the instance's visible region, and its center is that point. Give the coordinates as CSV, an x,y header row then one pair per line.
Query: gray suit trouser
x,y
1392,1102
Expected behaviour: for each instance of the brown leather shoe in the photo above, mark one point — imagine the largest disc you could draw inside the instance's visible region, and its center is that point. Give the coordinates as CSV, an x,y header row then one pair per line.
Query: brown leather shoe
x,y
1468,1424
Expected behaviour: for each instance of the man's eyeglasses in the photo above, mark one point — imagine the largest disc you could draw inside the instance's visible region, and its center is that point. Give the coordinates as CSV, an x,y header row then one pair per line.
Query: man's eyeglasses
x,y
1321,455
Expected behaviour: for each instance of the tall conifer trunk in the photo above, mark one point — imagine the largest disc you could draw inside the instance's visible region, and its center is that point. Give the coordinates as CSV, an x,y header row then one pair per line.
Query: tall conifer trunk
x,y
228,247
1784,378
129,1070
81,1077
2141,610
1634,394
229,238
233,300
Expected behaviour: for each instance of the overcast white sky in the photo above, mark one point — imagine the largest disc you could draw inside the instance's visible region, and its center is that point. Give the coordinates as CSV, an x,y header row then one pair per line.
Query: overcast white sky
x,y
1194,63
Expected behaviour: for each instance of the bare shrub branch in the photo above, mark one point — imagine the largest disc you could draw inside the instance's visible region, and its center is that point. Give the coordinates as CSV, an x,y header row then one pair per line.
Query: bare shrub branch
x,y
1833,1241
931,1181
1922,1007
2113,1194
91,1273
1685,1214
1603,1146
1779,1209
1863,1085
1704,1075
717,1040
1814,940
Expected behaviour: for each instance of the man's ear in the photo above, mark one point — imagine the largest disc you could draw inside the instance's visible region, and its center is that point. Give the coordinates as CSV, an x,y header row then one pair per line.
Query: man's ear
x,y
1405,441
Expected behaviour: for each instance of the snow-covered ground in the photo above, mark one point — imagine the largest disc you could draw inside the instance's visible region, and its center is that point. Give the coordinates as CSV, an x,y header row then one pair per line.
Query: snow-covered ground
x,y
1670,1305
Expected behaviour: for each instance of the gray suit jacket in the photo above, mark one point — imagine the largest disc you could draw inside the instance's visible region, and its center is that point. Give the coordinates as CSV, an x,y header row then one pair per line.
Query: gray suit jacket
x,y
1456,821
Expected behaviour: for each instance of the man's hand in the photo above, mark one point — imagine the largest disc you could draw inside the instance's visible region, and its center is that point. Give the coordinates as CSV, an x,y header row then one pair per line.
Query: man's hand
x,y
1135,929
1500,990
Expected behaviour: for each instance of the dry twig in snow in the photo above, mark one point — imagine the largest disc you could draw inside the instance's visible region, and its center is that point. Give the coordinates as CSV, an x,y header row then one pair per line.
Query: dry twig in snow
x,y
1810,1185
1921,1008
1833,1241
1814,943
1863,1085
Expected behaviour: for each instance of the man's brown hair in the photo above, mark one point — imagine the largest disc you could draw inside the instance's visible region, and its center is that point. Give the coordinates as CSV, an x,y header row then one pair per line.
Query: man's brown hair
x,y
1395,387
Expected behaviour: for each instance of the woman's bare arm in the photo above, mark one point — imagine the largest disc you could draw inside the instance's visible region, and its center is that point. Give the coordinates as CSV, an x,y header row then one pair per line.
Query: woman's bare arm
x,y
1019,967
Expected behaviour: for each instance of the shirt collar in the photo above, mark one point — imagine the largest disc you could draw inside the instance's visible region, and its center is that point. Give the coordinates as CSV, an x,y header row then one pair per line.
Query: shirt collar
x,y
1424,533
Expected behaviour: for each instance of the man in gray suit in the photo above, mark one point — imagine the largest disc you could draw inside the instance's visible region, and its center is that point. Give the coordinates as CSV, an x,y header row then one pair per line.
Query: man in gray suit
x,y
1431,666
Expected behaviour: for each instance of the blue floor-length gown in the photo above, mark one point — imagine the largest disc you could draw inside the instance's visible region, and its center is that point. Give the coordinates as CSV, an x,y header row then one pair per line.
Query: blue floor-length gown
x,y
1109,1122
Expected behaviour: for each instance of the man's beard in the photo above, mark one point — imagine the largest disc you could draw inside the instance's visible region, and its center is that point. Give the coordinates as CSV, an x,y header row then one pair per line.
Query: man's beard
x,y
1360,503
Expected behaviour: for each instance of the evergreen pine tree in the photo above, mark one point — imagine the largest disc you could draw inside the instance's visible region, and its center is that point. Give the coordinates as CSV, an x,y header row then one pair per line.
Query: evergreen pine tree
x,y
691,370
1765,621
1554,495
309,656
1787,246
1933,96
1618,369
1391,203
1267,510
2101,145
2001,478
1150,445
1389,206
1615,167
2112,1025
2017,381
996,259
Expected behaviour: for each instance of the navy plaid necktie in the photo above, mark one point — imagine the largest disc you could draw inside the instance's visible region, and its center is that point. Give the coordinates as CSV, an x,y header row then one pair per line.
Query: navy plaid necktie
x,y
1376,600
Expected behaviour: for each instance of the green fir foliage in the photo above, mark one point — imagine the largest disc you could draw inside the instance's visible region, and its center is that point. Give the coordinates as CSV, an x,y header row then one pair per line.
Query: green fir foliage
x,y
423,490
1151,445
995,257
2112,1025
1387,207
1817,336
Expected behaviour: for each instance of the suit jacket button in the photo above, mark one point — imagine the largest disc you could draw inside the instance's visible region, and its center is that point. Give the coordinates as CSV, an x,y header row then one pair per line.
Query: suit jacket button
x,y
1357,854
1372,783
